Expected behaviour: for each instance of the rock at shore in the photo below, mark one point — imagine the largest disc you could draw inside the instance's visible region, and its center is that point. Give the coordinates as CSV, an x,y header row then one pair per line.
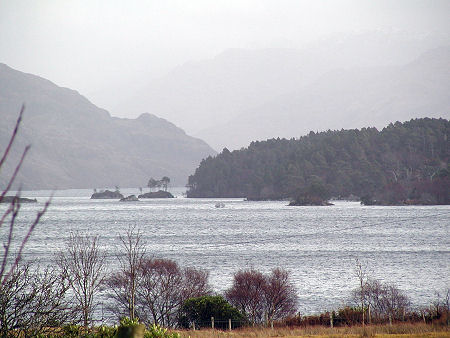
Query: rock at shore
x,y
157,194
131,198
9,199
107,194
309,201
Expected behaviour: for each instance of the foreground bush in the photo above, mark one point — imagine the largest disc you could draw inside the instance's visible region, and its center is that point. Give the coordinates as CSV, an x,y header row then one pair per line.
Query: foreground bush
x,y
198,311
133,328
263,297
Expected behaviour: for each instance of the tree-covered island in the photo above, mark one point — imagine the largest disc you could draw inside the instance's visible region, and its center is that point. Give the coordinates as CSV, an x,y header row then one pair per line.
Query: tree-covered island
x,y
404,163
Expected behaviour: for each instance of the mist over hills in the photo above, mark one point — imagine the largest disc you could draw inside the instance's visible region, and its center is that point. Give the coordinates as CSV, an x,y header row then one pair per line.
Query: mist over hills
x,y
75,144
346,98
204,96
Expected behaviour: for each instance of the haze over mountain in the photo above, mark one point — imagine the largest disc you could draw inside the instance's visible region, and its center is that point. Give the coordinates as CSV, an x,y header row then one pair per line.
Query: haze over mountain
x,y
203,96
345,98
75,144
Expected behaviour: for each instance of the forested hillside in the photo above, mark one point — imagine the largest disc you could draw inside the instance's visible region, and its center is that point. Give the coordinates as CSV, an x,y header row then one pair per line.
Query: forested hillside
x,y
403,163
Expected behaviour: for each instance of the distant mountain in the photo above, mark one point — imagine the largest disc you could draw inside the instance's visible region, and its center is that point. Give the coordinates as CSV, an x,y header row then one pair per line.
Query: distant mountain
x,y
202,94
198,94
404,163
346,98
78,145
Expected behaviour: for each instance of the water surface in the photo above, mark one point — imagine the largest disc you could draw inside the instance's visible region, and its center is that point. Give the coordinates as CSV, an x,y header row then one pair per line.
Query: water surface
x,y
407,245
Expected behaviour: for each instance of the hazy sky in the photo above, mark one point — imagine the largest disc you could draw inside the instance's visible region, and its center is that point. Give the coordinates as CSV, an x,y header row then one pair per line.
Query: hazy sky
x,y
109,47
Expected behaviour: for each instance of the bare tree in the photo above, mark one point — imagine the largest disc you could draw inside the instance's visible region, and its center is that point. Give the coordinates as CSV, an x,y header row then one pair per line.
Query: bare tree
x,y
32,301
362,275
10,261
247,294
83,266
123,283
373,294
396,302
163,288
385,300
118,287
258,295
159,290
195,284
280,295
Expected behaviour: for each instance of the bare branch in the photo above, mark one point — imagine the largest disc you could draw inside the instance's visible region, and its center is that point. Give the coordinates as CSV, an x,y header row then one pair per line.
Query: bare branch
x,y
15,207
82,264
13,136
25,240
14,175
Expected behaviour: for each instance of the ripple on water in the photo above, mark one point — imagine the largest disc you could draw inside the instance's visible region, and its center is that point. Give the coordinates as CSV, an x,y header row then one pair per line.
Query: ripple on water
x,y
408,246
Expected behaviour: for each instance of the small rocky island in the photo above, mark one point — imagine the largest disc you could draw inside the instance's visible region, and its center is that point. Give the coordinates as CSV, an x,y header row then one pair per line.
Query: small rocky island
x,y
316,194
131,198
9,199
107,194
157,194
309,202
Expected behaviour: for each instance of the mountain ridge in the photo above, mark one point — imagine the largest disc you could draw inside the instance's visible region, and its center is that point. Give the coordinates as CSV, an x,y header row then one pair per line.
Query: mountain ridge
x,y
202,94
345,98
76,144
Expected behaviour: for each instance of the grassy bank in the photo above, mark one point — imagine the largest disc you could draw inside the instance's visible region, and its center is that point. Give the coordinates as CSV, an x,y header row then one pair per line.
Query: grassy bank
x,y
399,330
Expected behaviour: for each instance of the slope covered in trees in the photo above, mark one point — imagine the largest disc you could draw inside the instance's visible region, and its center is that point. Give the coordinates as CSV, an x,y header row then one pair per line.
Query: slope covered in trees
x,y
403,163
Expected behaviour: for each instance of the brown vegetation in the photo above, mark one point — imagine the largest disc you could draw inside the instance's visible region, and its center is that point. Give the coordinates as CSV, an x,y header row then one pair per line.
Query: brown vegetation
x,y
163,288
263,297
394,331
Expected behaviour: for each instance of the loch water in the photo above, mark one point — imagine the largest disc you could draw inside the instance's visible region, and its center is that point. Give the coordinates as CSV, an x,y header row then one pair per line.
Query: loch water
x,y
405,245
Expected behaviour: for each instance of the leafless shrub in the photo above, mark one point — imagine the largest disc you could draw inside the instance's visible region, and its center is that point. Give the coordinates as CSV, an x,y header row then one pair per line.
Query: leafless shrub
x,y
159,290
262,296
247,294
385,300
439,312
280,295
122,285
32,301
361,272
195,283
82,264
163,288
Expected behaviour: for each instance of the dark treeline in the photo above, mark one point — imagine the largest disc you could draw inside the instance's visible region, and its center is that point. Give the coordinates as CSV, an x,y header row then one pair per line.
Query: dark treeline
x,y
403,163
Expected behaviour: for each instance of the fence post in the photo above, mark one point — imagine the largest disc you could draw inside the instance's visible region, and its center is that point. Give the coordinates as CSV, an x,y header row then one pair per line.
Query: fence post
x,y
193,326
212,323
271,323
229,324
331,319
370,315
390,319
